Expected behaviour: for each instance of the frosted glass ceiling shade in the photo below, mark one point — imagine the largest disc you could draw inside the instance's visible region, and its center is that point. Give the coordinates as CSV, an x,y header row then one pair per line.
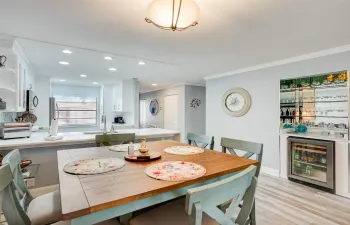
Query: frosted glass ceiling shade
x,y
173,14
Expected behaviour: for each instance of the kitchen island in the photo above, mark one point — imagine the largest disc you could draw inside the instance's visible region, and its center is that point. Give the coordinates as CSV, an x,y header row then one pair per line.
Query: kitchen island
x,y
37,140
44,153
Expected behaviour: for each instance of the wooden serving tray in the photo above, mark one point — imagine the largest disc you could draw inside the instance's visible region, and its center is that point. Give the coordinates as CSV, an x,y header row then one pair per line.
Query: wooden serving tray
x,y
138,157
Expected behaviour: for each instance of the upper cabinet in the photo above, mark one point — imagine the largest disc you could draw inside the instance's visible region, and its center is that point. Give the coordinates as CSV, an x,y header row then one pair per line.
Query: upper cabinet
x,y
16,77
118,97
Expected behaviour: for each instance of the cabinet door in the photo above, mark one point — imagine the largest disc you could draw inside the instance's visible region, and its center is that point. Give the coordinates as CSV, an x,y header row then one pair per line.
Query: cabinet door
x,y
21,91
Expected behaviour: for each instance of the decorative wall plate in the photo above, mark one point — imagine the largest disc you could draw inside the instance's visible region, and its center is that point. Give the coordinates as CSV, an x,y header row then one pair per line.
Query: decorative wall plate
x,y
93,166
184,150
236,102
154,107
175,171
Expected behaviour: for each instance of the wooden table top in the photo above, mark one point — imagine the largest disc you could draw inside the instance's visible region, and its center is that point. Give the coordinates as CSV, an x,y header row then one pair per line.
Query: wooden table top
x,y
85,194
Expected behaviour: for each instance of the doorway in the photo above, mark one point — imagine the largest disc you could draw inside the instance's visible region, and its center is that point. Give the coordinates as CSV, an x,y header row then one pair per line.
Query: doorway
x,y
171,112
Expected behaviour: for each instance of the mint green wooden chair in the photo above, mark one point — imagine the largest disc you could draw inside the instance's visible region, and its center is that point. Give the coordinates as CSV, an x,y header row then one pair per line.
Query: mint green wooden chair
x,y
200,140
201,205
14,213
44,209
110,139
251,149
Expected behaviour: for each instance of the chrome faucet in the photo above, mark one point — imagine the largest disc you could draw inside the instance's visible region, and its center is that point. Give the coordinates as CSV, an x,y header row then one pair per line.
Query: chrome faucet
x,y
104,120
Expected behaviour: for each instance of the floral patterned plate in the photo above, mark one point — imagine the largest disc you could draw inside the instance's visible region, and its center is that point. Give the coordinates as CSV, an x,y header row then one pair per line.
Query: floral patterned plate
x,y
175,171
184,150
94,166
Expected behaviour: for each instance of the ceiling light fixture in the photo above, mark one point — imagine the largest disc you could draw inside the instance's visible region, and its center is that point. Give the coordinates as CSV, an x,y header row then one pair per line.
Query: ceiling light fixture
x,y
173,14
95,83
67,51
108,58
142,63
83,75
112,69
62,80
154,84
64,63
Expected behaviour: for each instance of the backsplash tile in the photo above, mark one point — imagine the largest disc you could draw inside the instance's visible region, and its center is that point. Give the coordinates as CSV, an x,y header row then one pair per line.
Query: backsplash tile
x,y
7,116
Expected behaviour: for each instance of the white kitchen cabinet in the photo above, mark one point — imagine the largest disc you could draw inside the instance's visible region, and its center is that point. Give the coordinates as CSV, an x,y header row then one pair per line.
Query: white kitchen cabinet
x,y
118,97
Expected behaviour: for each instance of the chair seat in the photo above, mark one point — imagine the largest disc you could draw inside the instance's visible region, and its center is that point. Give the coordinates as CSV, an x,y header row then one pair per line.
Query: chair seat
x,y
45,209
113,221
170,214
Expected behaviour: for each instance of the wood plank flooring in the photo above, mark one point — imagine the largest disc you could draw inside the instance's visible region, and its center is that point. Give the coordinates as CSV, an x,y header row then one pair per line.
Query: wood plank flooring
x,y
279,201
282,202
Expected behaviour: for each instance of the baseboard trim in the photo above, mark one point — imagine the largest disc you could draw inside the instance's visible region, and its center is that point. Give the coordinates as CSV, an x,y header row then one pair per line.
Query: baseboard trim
x,y
270,171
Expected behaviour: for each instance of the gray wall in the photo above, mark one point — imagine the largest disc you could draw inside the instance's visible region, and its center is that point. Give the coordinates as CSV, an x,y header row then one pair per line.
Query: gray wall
x,y
261,123
159,95
195,117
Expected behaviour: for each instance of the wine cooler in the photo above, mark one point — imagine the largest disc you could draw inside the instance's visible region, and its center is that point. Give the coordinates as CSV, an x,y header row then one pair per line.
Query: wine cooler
x,y
312,162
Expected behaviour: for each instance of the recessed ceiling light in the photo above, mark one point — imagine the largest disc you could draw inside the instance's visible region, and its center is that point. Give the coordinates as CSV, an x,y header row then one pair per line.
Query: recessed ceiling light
x,y
64,63
95,83
67,51
62,80
112,69
83,75
142,63
154,84
108,58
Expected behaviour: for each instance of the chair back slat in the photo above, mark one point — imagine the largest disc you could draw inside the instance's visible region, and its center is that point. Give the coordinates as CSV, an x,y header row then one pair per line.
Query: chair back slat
x,y
200,140
13,159
209,196
250,148
110,139
14,213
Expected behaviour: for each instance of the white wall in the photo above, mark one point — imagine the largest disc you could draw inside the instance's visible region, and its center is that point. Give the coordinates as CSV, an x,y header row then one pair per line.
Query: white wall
x,y
159,95
43,92
195,117
261,123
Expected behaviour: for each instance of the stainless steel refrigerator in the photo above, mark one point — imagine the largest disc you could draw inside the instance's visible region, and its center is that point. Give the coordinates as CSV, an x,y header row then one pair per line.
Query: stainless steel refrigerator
x,y
54,114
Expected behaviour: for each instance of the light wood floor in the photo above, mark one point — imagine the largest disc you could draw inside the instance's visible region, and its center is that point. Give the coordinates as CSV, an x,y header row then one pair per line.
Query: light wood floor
x,y
282,202
279,201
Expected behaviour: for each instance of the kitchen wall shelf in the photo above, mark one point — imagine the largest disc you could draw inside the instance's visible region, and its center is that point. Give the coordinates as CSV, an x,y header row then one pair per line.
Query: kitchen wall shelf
x,y
312,88
311,102
7,89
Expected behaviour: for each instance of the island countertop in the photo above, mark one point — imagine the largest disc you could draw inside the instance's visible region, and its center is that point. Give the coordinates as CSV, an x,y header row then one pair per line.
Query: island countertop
x,y
37,139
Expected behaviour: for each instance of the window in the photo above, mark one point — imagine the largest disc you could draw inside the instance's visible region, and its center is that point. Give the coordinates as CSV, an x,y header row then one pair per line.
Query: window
x,y
142,113
76,105
76,111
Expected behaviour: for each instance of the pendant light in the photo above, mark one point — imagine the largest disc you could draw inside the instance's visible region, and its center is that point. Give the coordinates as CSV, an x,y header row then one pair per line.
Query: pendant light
x,y
176,15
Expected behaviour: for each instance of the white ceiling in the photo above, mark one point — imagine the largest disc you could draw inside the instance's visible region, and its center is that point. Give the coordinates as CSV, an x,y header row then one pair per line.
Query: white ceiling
x,y
45,60
231,35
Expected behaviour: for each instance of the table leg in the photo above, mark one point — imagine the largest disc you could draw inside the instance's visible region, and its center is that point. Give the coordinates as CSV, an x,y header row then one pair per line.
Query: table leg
x,y
124,219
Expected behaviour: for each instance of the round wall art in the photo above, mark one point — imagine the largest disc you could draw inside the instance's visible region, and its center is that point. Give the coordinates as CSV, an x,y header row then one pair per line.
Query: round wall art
x,y
154,107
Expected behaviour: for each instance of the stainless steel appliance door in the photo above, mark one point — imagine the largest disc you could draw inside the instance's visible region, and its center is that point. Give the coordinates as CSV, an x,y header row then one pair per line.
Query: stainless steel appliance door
x,y
311,161
53,109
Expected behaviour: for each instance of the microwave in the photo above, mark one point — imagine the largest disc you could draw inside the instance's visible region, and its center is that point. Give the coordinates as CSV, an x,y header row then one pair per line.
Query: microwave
x,y
32,100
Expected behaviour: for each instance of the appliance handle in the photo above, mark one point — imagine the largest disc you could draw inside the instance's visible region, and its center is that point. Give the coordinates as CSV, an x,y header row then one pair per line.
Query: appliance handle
x,y
35,101
57,109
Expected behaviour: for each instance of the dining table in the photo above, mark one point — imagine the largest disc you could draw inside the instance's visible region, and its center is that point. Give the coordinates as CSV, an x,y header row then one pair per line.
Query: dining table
x,y
89,199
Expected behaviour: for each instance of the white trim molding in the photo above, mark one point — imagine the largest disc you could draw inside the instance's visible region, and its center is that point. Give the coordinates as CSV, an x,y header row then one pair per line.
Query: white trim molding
x,y
332,51
270,171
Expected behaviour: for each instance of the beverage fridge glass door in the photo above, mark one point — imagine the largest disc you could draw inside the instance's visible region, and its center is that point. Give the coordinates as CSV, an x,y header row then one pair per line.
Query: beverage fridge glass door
x,y
309,161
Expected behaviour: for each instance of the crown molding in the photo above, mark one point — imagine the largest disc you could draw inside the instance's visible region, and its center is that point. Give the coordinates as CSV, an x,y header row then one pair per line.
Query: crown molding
x,y
332,51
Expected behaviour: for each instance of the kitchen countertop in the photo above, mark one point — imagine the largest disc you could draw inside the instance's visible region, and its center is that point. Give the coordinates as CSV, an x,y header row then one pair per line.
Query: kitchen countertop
x,y
313,135
70,138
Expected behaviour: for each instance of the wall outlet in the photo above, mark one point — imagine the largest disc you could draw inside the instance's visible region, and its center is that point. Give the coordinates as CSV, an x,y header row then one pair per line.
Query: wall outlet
x,y
30,182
